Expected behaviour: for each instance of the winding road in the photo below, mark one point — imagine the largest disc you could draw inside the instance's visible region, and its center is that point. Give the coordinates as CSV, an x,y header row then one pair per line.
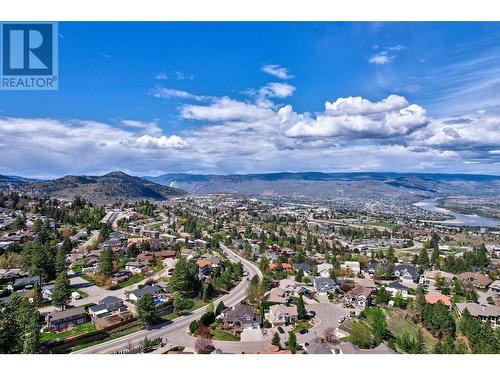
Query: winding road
x,y
175,331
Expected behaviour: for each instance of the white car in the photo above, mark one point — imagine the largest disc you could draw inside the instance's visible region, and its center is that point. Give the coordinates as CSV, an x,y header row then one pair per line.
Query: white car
x,y
341,319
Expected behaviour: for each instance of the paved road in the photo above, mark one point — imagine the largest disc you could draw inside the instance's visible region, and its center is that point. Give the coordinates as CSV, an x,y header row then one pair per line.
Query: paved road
x,y
175,331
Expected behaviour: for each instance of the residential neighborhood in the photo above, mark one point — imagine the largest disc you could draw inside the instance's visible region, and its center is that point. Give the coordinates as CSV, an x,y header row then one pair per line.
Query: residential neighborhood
x,y
234,275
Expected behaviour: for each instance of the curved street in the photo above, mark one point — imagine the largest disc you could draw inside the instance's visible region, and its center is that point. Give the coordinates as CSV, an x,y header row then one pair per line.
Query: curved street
x,y
175,331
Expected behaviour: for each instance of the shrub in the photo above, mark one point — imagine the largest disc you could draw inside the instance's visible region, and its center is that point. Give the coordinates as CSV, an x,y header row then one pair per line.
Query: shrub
x,y
193,326
207,318
203,331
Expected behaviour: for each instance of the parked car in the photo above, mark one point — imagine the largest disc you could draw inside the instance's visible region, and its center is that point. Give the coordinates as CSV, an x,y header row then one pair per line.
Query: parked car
x,y
303,331
312,313
281,330
341,319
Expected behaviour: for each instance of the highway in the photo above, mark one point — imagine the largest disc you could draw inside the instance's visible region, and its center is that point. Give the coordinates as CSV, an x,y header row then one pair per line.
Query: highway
x,y
175,331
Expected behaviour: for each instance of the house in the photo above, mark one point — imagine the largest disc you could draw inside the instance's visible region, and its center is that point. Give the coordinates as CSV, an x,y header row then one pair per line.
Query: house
x,y
285,266
324,285
60,320
107,306
431,276
395,287
189,254
304,267
153,290
160,255
293,288
407,272
214,261
485,313
371,267
352,266
495,286
170,237
360,296
433,298
91,260
240,317
25,282
277,295
200,243
280,315
135,267
204,267
324,269
479,280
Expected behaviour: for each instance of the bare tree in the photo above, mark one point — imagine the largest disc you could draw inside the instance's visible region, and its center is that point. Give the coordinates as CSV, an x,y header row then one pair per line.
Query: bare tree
x,y
329,335
204,345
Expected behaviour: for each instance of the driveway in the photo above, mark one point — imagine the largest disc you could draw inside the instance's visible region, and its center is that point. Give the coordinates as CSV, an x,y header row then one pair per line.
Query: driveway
x,y
327,315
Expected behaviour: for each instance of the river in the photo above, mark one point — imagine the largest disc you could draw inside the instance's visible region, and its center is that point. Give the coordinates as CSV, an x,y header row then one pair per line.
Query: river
x,y
460,219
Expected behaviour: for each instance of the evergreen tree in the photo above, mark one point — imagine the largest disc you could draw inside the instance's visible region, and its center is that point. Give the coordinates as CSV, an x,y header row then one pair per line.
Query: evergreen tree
x,y
145,310
31,344
420,302
276,340
106,262
60,262
185,277
132,250
179,302
301,309
378,324
299,276
420,342
423,258
61,293
292,342
220,308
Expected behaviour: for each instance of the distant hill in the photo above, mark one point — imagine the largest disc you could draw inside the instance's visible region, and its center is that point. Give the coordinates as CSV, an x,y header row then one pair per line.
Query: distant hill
x,y
327,185
13,182
112,187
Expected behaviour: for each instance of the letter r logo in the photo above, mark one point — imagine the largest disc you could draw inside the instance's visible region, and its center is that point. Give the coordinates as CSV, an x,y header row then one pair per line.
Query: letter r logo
x,y
27,49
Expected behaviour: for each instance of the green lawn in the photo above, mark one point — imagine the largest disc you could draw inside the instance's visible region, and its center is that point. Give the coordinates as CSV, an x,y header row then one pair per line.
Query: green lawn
x,y
382,224
134,279
219,334
115,333
87,278
299,325
196,304
77,268
154,226
80,328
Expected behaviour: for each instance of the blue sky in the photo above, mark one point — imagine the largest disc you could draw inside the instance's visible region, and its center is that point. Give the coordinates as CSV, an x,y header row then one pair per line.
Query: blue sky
x,y
152,98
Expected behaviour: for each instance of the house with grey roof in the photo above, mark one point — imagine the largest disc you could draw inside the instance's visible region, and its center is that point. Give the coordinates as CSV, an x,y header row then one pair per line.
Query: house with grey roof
x,y
323,286
153,290
108,305
485,313
395,288
59,320
240,317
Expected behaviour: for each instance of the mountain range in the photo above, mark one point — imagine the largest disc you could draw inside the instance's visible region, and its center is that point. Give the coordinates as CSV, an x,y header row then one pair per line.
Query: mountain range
x,y
118,186
112,187
327,185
